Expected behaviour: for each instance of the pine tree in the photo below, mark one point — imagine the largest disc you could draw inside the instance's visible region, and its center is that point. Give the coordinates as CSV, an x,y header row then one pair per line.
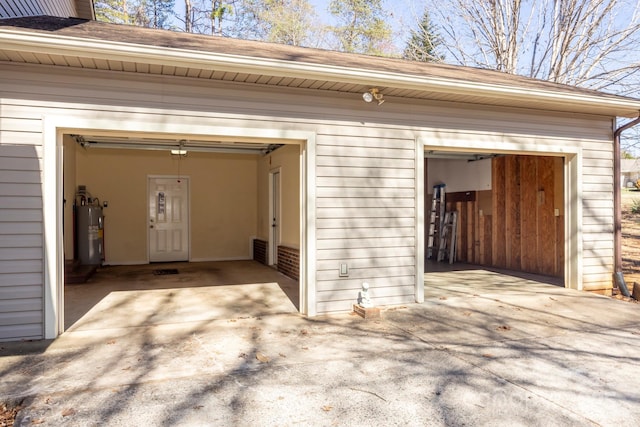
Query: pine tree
x,y
423,43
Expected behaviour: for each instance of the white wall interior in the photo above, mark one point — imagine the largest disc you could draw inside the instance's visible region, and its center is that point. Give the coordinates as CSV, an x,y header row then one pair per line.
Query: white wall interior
x,y
222,208
459,174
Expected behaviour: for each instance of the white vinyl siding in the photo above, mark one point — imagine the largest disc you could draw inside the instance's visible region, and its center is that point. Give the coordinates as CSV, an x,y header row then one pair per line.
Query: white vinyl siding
x,y
365,164
18,8
598,215
84,9
21,261
366,219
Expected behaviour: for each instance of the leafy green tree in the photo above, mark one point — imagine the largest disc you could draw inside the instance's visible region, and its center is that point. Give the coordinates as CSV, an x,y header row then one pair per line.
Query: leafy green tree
x,y
220,11
361,26
115,11
279,21
423,42
144,13
626,155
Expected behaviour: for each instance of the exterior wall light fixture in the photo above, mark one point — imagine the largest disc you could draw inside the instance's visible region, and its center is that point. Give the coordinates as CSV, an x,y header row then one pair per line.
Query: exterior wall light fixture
x,y
373,93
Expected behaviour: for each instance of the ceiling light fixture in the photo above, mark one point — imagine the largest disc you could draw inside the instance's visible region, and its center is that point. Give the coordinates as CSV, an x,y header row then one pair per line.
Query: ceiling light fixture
x,y
373,93
180,151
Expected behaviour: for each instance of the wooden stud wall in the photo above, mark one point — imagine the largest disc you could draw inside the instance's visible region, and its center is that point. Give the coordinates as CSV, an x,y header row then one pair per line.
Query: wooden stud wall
x,y
520,231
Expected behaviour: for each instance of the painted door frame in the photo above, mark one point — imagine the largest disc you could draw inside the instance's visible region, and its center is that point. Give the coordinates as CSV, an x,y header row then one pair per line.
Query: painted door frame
x,y
145,122
517,144
274,235
187,178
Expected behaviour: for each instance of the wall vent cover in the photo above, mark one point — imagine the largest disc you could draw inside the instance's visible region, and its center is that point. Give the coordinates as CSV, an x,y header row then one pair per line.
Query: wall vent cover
x,y
165,271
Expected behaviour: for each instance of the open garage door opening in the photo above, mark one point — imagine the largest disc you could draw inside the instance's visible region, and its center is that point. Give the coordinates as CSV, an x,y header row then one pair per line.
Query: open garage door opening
x,y
169,228
495,212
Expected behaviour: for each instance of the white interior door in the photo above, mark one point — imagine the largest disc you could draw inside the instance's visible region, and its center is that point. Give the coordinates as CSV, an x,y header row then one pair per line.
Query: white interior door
x,y
274,208
168,219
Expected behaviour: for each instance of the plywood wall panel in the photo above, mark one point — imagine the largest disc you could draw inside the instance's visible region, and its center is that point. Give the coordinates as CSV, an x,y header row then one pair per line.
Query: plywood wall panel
x,y
528,206
462,232
498,225
486,238
523,232
546,220
471,231
512,214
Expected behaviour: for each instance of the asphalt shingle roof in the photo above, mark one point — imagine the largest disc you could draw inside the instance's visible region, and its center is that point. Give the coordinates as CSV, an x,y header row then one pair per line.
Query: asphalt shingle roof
x,y
79,28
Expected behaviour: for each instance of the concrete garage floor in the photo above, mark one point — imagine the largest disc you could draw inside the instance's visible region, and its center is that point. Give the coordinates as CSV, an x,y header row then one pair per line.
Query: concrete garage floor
x,y
463,279
133,296
506,351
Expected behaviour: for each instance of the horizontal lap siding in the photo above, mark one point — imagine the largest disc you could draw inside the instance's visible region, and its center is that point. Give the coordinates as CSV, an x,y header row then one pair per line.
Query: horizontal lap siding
x,y
366,181
365,206
597,215
18,8
21,245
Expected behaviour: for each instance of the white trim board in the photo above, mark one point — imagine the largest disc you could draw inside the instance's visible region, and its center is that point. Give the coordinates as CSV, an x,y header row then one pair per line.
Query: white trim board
x,y
54,127
572,187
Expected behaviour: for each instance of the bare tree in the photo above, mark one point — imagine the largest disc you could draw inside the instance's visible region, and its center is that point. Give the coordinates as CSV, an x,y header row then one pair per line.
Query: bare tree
x,y
362,26
205,16
188,16
289,22
588,43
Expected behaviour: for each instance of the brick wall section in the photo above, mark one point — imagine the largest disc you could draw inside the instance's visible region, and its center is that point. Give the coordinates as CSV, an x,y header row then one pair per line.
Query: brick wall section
x,y
260,251
289,262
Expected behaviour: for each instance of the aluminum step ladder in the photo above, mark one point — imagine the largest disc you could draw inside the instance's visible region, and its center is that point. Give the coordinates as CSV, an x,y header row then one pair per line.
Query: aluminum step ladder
x,y
448,237
435,220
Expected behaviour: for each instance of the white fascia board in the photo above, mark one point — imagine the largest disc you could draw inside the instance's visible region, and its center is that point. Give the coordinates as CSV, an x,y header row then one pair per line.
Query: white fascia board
x,y
157,55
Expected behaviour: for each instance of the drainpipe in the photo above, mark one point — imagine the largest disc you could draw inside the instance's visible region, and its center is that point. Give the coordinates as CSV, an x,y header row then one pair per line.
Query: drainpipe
x,y
617,206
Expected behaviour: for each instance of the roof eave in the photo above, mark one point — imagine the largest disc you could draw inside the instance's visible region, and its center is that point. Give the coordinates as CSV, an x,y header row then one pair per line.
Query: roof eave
x,y
85,9
110,50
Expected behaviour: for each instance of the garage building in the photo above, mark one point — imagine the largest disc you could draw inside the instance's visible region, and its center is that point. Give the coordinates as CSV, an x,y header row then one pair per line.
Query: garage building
x,y
274,131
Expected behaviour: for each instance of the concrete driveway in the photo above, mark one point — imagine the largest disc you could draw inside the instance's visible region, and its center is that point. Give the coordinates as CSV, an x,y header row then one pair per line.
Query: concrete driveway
x,y
521,353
